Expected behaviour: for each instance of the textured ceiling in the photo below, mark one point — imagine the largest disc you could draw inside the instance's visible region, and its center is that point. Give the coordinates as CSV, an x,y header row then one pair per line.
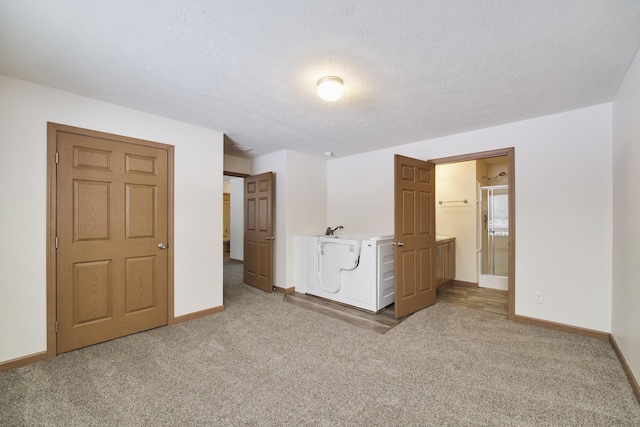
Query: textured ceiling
x,y
413,70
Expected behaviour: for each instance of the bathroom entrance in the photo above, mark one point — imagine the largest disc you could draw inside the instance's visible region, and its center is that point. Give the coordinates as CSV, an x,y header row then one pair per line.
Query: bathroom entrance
x,y
475,223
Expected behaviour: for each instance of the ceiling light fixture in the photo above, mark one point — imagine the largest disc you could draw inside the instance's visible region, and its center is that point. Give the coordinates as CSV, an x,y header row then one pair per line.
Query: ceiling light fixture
x,y
330,88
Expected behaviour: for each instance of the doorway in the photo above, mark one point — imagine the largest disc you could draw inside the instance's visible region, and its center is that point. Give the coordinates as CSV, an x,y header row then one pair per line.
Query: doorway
x,y
233,238
251,226
474,204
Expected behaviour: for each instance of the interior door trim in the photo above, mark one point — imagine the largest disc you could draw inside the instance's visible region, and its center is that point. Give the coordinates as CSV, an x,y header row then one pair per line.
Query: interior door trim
x,y
51,269
235,174
511,180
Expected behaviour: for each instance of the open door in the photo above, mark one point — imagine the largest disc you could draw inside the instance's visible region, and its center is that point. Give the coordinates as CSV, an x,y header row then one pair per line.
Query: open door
x,y
415,235
258,231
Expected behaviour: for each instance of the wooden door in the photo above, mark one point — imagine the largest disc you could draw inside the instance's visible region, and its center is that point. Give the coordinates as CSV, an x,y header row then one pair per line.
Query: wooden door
x,y
415,235
112,215
258,231
226,217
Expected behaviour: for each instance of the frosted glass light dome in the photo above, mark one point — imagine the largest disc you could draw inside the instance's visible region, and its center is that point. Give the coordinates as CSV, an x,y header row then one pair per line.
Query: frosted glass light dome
x,y
330,88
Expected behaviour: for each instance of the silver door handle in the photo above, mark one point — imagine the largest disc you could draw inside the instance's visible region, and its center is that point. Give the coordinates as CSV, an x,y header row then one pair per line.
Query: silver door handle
x,y
163,246
398,244
270,238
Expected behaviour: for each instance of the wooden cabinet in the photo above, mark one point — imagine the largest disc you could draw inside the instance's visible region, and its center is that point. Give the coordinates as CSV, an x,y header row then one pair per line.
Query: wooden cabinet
x,y
446,261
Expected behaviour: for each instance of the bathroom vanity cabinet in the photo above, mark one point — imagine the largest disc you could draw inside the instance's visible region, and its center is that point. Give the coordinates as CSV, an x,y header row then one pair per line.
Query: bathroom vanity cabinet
x,y
446,260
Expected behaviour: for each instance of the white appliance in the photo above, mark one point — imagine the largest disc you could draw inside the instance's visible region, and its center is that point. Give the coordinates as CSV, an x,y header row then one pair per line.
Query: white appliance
x,y
353,270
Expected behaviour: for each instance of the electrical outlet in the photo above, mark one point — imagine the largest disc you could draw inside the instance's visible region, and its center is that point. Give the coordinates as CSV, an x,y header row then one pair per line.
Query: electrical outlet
x,y
537,298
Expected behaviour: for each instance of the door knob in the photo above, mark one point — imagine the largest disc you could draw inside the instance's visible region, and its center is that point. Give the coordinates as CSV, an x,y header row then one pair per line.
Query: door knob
x,y
163,246
270,238
399,244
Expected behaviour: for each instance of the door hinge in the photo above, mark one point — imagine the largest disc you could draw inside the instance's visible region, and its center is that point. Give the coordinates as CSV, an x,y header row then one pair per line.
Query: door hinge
x,y
57,158
56,326
56,242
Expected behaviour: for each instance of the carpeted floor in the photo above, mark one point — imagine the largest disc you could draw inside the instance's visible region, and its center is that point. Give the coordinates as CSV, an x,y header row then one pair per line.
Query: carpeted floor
x,y
263,362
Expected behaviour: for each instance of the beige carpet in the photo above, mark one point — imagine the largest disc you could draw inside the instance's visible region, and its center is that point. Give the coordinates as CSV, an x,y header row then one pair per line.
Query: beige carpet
x,y
263,362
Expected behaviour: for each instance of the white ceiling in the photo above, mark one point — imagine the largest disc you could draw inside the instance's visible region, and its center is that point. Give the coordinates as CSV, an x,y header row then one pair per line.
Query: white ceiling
x,y
413,70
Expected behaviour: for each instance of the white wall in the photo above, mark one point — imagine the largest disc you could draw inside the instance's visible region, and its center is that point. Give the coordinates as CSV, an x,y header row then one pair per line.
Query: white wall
x,y
626,213
360,193
457,181
237,164
306,203
25,109
300,206
563,216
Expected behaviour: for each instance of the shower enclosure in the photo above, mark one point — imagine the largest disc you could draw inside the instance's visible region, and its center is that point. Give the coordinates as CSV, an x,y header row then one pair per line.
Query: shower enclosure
x,y
493,238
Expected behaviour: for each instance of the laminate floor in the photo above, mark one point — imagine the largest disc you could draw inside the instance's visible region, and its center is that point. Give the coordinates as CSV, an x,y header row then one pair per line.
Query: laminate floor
x,y
380,322
491,300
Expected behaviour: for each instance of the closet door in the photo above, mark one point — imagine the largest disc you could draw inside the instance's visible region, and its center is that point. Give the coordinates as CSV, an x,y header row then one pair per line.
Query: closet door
x,y
112,231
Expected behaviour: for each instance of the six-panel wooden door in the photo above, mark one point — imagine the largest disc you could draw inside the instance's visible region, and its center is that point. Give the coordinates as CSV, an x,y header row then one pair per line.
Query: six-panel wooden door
x,y
112,232
258,232
415,235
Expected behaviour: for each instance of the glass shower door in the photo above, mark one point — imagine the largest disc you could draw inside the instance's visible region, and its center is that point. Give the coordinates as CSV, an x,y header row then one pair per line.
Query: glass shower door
x,y
495,253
